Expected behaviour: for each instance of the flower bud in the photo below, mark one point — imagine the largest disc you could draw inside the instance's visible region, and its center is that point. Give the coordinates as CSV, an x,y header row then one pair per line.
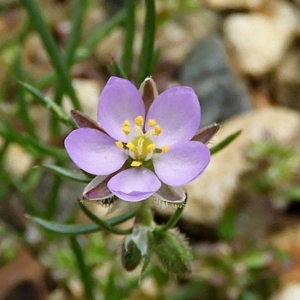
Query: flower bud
x,y
131,255
173,251
135,247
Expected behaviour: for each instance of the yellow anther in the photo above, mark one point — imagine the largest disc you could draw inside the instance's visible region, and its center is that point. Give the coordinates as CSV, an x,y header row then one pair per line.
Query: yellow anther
x,y
151,123
126,129
126,123
139,121
136,163
130,146
165,149
150,147
157,130
119,144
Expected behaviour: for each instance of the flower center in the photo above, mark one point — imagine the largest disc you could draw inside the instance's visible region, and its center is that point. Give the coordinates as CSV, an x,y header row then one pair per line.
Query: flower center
x,y
141,148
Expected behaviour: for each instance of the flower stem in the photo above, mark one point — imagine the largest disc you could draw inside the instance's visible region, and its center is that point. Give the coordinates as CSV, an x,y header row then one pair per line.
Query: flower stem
x,y
144,215
173,220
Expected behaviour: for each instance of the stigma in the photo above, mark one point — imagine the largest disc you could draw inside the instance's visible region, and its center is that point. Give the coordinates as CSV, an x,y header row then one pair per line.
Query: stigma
x,y
141,145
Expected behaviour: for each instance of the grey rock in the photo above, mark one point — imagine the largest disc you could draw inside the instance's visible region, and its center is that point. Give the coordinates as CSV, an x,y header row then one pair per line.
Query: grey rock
x,y
220,92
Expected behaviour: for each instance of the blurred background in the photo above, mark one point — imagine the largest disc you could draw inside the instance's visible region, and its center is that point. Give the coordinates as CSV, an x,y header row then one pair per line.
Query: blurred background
x,y
242,218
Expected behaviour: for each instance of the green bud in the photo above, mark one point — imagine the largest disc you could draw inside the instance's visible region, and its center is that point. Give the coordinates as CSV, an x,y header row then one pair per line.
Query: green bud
x,y
131,255
173,251
135,247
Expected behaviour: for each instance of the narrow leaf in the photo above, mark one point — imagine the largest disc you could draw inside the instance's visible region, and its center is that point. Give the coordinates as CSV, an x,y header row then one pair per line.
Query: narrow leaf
x,y
72,175
129,37
118,70
80,228
96,37
55,56
74,36
146,54
224,143
85,271
49,104
102,224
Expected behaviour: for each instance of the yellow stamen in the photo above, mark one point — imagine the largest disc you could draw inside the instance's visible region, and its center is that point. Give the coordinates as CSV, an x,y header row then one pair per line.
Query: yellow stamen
x,y
150,147
126,129
136,163
157,130
165,149
151,123
130,146
126,123
119,144
139,121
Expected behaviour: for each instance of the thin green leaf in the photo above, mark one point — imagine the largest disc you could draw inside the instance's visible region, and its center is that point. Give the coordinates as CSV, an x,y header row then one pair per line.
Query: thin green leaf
x,y
103,224
85,272
23,105
129,36
146,54
52,205
41,27
98,35
72,175
74,36
32,145
118,71
224,143
80,228
49,104
57,153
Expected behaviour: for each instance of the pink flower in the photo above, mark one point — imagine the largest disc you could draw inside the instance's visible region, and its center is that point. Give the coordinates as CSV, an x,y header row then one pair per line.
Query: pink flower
x,y
136,154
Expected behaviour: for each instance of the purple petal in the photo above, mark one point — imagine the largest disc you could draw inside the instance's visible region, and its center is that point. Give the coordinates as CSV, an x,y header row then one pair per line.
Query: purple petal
x,y
177,111
134,184
94,152
170,194
97,189
182,163
119,101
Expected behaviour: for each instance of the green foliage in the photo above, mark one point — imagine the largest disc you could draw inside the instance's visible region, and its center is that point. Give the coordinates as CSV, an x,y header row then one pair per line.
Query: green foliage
x,y
85,252
273,171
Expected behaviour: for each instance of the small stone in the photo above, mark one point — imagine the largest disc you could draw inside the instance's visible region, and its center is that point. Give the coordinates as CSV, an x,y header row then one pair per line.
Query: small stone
x,y
207,71
176,37
289,292
17,161
209,194
235,4
287,80
259,40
